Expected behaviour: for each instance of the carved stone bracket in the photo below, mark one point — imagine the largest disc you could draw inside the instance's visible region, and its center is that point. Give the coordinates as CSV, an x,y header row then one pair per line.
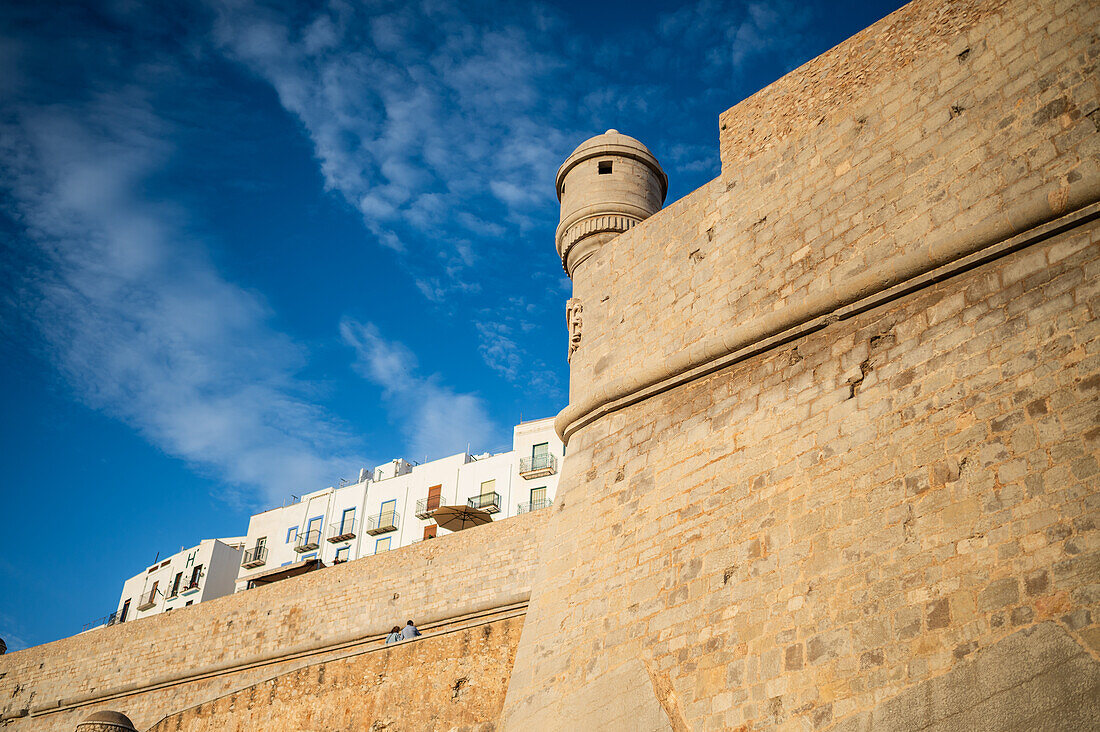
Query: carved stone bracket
x,y
573,309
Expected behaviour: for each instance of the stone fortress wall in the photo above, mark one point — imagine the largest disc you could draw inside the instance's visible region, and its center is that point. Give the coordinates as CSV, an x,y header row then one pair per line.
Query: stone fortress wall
x,y
453,680
155,666
833,421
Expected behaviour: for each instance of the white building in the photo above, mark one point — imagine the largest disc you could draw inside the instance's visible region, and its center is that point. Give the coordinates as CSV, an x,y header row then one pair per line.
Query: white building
x,y
391,506
188,577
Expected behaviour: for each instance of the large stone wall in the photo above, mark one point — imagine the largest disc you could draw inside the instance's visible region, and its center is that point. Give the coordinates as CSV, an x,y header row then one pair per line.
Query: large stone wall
x,y
161,664
778,544
946,126
834,419
450,681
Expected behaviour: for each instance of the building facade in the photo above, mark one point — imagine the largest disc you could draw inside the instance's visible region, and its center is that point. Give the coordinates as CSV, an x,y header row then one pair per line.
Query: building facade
x,y
188,577
392,506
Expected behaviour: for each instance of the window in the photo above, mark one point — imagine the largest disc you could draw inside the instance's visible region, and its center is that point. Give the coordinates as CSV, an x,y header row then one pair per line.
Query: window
x,y
434,495
261,543
429,531
125,610
342,553
385,516
166,562
189,602
538,498
196,573
604,167
382,545
291,534
540,456
488,486
347,521
176,584
314,525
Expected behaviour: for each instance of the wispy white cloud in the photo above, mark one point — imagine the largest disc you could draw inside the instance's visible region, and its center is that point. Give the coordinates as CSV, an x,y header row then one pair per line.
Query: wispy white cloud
x,y
137,318
12,633
498,349
436,419
427,120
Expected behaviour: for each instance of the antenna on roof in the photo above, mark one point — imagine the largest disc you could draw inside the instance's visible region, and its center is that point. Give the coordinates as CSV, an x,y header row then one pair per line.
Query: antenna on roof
x,y
344,482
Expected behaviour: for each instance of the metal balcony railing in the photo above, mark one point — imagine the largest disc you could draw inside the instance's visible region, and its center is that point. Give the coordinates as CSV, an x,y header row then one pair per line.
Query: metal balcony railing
x,y
538,466
425,506
254,557
308,541
342,530
191,586
487,502
148,599
102,622
381,523
534,505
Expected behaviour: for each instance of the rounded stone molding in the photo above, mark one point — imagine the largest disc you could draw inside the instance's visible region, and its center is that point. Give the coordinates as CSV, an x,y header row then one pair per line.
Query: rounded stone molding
x,y
610,183
106,721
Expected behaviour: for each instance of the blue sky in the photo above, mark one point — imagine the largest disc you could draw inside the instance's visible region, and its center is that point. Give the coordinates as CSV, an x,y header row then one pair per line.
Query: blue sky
x,y
249,248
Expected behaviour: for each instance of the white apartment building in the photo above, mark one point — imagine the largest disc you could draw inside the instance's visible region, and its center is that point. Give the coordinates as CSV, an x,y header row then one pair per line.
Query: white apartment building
x,y
391,506
188,577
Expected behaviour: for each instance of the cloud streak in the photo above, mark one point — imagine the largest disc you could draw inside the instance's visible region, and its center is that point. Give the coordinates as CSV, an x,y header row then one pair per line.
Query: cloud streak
x,y
424,118
436,419
137,318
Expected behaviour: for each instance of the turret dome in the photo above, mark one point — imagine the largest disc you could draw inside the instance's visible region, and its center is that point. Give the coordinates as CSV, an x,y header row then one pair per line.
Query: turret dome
x,y
607,185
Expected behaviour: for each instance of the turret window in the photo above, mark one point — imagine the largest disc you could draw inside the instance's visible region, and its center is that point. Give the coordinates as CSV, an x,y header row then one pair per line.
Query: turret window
x,y
604,167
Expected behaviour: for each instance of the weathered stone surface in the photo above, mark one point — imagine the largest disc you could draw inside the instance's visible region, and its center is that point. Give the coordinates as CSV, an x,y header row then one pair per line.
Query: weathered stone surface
x,y
763,506
452,681
1036,679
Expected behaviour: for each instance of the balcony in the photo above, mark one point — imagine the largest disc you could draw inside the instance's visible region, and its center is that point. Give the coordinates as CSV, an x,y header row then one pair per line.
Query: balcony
x,y
533,505
425,506
103,622
191,588
487,502
380,524
308,541
148,600
254,557
342,531
538,466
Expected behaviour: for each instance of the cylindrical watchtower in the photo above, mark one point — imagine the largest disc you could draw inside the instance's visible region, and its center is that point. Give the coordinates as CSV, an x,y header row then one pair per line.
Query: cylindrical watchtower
x,y
609,184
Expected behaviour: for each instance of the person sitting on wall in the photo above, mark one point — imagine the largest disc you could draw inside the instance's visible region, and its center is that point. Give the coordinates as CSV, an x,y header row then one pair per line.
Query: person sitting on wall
x,y
394,636
409,631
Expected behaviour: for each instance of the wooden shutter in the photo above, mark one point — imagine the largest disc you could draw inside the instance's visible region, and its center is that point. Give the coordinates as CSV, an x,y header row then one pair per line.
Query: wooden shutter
x,y
429,531
434,494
